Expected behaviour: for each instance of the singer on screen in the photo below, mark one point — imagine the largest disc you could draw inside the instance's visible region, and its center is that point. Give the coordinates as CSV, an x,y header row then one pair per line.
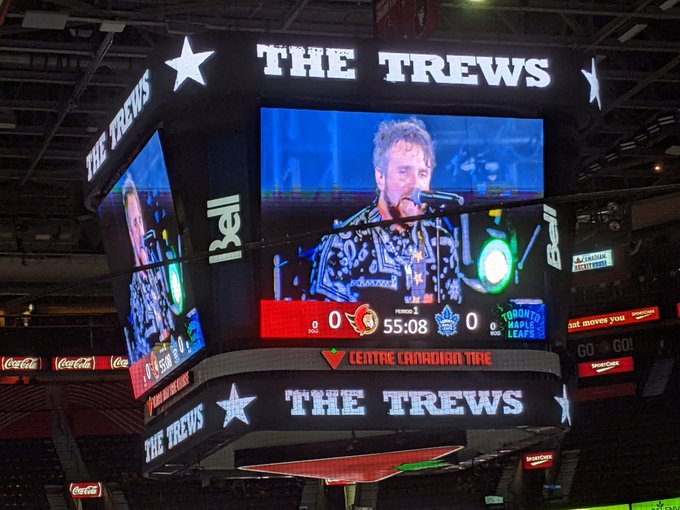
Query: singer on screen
x,y
151,320
416,260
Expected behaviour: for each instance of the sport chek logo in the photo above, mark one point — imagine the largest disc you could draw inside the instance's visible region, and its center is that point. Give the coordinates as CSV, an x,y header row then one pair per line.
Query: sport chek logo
x,y
542,460
364,320
606,366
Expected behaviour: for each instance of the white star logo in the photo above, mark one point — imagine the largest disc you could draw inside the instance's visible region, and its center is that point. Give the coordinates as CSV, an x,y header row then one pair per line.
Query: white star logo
x,y
594,84
235,407
187,65
563,401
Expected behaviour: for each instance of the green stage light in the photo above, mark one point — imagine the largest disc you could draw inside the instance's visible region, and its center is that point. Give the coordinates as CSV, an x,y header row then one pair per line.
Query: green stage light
x,y
495,266
176,289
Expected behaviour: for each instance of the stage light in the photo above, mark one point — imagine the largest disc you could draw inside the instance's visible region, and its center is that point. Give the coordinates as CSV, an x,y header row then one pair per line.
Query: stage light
x,y
658,167
612,156
176,290
495,266
627,146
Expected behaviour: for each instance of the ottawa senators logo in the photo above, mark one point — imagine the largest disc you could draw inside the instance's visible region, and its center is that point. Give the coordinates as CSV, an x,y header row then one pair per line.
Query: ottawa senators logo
x,y
364,320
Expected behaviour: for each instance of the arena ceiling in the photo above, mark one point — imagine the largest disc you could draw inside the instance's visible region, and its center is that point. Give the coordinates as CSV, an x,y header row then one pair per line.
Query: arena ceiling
x,y
64,65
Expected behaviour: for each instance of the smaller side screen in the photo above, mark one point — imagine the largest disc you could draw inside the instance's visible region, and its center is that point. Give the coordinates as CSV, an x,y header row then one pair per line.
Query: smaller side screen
x,y
155,305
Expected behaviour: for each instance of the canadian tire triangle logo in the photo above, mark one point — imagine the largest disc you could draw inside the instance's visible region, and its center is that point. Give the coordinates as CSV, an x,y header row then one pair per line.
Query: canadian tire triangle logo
x,y
334,357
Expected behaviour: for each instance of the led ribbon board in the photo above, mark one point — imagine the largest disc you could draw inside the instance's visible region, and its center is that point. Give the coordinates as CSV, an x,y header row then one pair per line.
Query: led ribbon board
x,y
609,320
237,406
329,68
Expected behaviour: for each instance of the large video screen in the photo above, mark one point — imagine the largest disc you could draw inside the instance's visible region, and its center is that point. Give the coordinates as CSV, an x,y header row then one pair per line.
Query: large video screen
x,y
155,305
377,273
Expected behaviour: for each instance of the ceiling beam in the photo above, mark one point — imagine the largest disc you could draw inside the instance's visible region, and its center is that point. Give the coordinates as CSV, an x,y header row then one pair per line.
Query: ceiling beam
x,y
58,78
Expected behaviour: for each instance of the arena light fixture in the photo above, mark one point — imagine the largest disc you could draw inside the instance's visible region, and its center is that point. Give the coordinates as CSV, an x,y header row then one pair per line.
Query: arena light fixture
x,y
666,120
641,138
44,20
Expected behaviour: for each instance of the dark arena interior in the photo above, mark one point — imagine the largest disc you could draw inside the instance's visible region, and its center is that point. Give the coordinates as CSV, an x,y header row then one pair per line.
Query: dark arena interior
x,y
339,254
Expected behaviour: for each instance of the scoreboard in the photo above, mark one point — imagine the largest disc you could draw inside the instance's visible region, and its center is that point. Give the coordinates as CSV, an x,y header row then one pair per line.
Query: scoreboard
x,y
327,224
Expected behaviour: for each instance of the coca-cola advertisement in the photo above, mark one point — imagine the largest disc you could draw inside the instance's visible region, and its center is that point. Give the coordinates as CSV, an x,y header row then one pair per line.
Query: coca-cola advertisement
x,y
114,362
60,363
81,490
21,363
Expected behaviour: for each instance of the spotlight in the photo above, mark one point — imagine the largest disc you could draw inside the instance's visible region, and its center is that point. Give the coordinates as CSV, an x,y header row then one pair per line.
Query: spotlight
x,y
658,167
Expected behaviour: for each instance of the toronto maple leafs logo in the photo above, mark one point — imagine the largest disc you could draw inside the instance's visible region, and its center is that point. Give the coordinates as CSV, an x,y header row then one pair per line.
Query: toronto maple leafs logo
x,y
364,320
447,321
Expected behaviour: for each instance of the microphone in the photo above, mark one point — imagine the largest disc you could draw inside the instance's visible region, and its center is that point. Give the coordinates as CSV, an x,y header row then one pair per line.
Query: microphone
x,y
436,198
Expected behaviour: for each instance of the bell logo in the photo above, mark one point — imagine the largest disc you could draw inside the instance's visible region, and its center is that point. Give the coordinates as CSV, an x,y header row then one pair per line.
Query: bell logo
x,y
227,210
552,250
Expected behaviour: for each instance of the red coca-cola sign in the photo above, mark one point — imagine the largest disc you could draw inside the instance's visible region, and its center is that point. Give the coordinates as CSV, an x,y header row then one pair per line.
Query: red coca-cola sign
x,y
606,367
80,490
61,363
111,363
12,363
119,363
90,363
539,460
